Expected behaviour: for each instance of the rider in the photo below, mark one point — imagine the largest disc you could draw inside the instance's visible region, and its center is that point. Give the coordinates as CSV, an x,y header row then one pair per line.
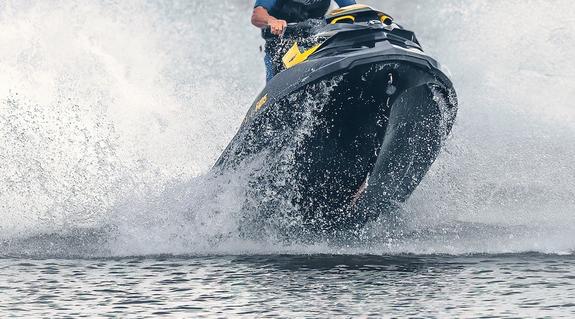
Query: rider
x,y
276,14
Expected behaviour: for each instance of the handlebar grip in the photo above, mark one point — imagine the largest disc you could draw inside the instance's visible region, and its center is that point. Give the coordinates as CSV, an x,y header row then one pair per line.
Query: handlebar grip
x,y
298,29
267,31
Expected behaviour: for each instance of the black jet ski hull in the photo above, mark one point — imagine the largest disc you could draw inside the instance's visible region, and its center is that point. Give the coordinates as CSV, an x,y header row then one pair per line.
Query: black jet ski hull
x,y
345,137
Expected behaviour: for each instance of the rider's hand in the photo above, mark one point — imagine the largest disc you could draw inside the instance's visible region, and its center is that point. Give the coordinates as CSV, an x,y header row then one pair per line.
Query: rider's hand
x,y
277,26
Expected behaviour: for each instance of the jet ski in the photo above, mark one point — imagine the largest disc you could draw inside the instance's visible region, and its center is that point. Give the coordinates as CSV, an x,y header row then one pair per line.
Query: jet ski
x,y
348,127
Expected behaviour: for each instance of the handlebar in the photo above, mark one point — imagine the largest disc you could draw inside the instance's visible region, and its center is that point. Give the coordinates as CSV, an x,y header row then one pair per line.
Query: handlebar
x,y
289,30
299,29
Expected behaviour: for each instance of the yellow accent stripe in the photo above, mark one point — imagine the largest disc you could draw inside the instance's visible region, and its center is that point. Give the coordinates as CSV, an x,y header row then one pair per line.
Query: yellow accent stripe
x,y
336,20
294,56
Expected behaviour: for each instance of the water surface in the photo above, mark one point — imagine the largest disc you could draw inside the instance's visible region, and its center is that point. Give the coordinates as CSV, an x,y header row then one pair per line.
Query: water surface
x,y
313,286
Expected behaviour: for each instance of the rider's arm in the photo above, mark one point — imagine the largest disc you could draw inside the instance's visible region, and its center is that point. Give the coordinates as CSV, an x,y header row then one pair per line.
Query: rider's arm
x,y
345,3
261,17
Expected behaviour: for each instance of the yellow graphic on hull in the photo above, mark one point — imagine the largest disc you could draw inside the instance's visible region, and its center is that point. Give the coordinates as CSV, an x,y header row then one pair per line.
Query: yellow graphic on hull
x,y
261,102
294,56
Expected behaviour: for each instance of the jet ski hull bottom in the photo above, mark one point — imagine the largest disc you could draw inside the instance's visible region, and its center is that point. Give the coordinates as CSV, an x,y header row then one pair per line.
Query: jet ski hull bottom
x,y
345,149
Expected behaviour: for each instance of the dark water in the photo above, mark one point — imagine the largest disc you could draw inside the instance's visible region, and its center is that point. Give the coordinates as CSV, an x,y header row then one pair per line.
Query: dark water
x,y
326,286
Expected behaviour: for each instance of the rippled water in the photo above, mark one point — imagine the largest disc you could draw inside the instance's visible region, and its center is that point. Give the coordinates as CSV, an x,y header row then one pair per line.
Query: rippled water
x,y
313,286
